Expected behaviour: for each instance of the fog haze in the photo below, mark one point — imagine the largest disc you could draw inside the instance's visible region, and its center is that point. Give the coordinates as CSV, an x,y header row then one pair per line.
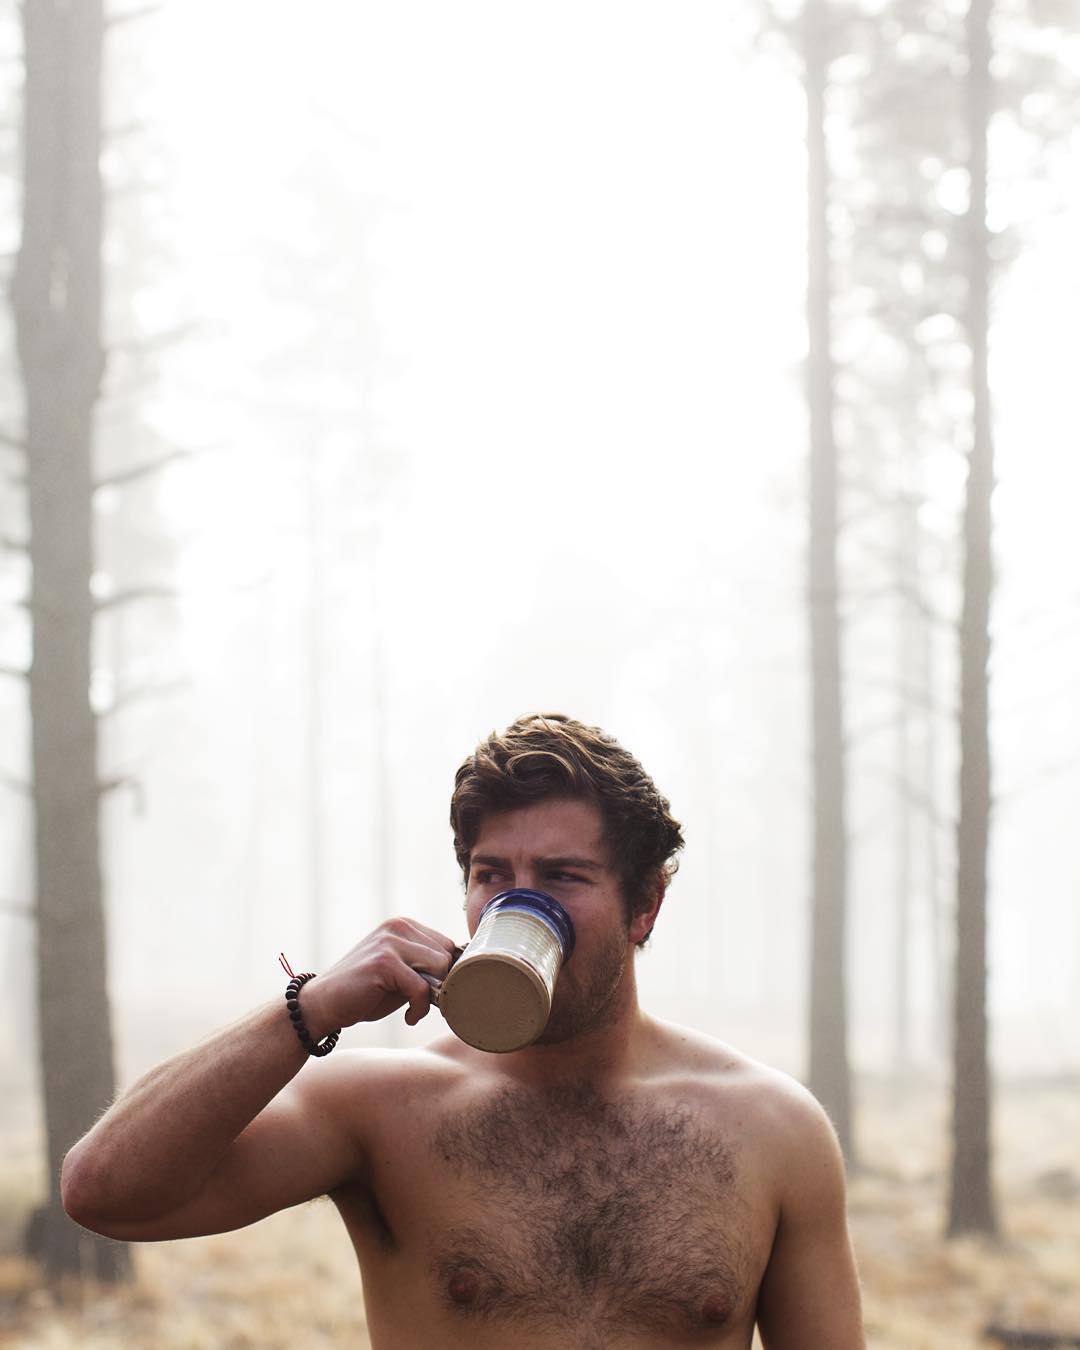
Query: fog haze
x,y
484,329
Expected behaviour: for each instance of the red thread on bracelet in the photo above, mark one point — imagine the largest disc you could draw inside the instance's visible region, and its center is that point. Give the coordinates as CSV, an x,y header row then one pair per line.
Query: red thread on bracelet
x,y
283,961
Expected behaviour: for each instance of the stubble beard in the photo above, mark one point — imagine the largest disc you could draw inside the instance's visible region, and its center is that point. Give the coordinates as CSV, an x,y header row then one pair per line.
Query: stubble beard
x,y
592,1005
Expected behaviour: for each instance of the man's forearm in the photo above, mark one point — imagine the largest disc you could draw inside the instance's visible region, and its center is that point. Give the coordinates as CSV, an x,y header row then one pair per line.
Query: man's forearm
x,y
158,1144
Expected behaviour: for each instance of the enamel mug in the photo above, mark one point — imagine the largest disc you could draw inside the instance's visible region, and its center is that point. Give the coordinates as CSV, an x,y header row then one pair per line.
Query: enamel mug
x,y
497,995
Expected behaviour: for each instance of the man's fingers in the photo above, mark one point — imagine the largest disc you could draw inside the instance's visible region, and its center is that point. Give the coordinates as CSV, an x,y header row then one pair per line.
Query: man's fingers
x,y
427,960
419,957
411,930
418,1009
420,996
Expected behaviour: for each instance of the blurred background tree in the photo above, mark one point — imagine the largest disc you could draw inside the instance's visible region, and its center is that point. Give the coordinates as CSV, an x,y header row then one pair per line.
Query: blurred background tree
x,y
971,1205
57,296
829,1074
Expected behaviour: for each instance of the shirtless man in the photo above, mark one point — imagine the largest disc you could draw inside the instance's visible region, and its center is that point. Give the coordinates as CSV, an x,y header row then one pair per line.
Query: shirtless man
x,y
622,1184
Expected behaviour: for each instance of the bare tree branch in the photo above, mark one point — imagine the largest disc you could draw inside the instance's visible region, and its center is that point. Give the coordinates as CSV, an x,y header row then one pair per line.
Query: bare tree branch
x,y
918,698
122,394
858,735
126,476
14,545
140,379
158,342
14,673
12,442
140,693
129,781
19,786
915,795
918,602
140,593
125,129
21,911
1044,775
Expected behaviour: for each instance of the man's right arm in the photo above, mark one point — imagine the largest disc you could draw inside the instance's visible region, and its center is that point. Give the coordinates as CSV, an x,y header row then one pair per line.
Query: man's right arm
x,y
231,1131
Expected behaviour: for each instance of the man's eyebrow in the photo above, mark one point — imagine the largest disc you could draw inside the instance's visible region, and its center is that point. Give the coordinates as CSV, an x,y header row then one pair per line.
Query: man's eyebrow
x,y
586,863
490,860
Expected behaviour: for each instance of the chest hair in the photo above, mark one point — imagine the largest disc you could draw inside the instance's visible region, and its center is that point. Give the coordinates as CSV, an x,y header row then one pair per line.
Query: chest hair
x,y
590,1209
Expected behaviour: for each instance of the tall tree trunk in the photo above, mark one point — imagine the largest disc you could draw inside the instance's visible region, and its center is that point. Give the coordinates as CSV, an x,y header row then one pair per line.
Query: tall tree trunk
x,y
938,910
829,1075
907,648
315,784
57,299
913,829
971,1201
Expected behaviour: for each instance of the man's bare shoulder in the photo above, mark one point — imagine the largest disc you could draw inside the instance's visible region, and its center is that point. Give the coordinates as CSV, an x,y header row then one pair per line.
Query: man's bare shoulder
x,y
375,1071
780,1110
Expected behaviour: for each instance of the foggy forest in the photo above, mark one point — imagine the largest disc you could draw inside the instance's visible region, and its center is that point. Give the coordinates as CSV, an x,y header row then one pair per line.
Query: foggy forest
x,y
373,375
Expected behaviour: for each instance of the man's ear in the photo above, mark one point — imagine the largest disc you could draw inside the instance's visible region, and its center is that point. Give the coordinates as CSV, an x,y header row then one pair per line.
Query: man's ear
x,y
641,924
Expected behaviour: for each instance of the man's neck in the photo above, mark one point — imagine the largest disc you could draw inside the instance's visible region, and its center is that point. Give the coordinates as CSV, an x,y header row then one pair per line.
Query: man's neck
x,y
608,1051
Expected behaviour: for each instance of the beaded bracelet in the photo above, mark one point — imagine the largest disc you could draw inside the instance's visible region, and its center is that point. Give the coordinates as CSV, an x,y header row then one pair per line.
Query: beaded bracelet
x,y
292,1002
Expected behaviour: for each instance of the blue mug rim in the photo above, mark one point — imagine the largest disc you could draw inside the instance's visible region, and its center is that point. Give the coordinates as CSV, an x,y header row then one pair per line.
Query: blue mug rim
x,y
543,906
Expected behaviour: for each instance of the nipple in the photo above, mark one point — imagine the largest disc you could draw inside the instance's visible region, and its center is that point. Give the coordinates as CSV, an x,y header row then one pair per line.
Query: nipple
x,y
464,1286
716,1309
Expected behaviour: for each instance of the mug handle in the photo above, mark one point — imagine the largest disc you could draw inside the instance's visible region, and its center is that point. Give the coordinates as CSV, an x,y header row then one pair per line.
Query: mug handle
x,y
436,985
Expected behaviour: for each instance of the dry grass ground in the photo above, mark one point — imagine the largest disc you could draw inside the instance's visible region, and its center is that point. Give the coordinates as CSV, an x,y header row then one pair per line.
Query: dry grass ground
x,y
925,1294
291,1281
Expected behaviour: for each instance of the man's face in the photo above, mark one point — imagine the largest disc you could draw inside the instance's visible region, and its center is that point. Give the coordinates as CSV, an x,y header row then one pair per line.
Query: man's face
x,y
558,846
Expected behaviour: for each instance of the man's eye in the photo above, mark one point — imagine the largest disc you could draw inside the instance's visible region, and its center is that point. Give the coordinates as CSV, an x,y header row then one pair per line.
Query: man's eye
x,y
484,877
565,876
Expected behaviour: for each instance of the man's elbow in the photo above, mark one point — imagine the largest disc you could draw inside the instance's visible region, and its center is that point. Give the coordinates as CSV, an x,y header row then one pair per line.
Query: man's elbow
x,y
109,1194
85,1192
77,1188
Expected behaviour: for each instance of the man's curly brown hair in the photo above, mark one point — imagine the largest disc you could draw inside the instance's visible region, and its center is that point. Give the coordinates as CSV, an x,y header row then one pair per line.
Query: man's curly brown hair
x,y
544,756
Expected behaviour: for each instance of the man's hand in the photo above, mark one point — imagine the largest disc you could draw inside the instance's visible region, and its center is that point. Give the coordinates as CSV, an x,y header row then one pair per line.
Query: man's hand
x,y
379,975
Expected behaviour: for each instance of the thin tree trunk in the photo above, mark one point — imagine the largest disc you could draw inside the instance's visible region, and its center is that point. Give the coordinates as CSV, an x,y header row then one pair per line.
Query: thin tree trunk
x,y
829,1075
971,1201
316,804
910,635
57,299
901,1048
938,911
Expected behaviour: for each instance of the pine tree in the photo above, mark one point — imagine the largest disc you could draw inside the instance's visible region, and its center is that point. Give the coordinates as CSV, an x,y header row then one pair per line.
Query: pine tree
x,y
57,294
